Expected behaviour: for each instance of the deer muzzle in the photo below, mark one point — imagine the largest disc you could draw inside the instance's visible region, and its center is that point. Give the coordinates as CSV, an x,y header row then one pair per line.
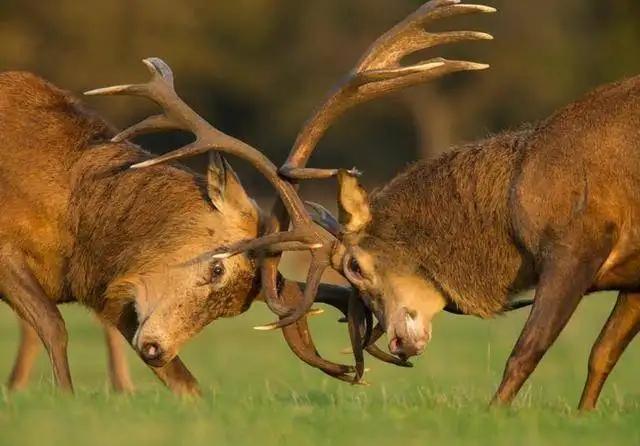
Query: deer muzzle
x,y
152,347
408,333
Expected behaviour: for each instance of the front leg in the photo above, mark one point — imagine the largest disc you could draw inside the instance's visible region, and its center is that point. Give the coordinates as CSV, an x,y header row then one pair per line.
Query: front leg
x,y
117,361
175,374
177,377
23,292
567,274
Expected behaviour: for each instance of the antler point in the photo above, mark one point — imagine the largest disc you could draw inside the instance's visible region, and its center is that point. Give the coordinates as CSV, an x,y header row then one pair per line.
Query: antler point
x,y
315,312
265,327
141,165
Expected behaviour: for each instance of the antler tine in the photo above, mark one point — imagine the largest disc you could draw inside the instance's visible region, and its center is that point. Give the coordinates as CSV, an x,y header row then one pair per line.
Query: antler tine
x,y
377,73
301,344
380,72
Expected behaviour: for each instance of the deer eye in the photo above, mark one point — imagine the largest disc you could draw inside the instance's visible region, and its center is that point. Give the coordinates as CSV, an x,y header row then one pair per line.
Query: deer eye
x,y
354,268
217,271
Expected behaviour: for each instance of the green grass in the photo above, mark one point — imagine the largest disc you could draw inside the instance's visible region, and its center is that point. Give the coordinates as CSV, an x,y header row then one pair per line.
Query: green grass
x,y
256,392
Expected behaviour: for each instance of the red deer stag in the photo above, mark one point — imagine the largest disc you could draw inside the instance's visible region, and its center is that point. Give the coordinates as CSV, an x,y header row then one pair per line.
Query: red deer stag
x,y
551,206
78,225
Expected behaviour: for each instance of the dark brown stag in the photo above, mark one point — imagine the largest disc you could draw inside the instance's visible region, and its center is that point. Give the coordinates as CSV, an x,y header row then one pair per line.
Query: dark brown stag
x,y
78,225
551,207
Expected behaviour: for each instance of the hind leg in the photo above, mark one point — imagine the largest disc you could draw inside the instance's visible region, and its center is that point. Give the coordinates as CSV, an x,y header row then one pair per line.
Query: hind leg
x,y
621,327
27,352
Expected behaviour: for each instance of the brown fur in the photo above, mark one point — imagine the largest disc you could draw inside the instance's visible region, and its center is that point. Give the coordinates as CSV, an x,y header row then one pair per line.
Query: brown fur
x,y
95,232
480,218
554,206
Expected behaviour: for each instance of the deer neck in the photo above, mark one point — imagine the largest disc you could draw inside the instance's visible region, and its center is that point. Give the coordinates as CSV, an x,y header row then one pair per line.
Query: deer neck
x,y
454,216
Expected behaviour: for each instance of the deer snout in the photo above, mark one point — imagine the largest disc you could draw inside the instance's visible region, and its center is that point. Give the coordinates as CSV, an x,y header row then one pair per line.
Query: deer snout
x,y
404,349
408,334
151,352
152,347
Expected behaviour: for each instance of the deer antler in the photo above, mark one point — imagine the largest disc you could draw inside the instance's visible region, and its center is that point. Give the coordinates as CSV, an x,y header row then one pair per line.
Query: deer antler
x,y
303,235
378,72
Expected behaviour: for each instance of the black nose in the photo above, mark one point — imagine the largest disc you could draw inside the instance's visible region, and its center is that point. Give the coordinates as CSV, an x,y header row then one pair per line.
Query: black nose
x,y
150,351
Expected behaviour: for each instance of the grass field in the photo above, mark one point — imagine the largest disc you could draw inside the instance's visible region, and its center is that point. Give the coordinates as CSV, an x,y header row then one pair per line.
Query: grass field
x,y
256,392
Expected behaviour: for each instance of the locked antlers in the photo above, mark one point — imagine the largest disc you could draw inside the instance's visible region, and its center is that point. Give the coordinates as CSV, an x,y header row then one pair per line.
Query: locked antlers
x,y
379,72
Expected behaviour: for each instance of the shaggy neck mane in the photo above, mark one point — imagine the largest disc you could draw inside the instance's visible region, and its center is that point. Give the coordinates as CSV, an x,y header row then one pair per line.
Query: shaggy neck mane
x,y
468,250
122,219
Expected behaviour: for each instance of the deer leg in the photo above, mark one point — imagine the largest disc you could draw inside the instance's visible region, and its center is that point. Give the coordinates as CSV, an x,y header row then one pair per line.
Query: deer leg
x,y
566,276
177,377
621,327
175,374
25,295
118,367
27,352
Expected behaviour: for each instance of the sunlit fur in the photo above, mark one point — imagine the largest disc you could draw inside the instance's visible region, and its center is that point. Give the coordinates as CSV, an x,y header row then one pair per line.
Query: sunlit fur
x,y
449,221
476,223
106,236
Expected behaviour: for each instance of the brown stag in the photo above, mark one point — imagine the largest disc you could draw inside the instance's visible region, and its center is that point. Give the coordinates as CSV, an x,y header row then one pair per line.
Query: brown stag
x,y
79,225
551,206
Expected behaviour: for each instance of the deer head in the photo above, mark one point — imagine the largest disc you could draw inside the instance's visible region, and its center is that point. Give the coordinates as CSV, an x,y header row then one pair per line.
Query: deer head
x,y
390,280
180,293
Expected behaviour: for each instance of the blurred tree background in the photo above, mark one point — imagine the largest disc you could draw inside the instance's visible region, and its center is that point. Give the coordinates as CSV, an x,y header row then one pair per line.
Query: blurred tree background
x,y
257,68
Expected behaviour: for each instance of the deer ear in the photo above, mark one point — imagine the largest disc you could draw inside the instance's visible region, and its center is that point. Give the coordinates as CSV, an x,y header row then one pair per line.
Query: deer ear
x,y
353,201
224,188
